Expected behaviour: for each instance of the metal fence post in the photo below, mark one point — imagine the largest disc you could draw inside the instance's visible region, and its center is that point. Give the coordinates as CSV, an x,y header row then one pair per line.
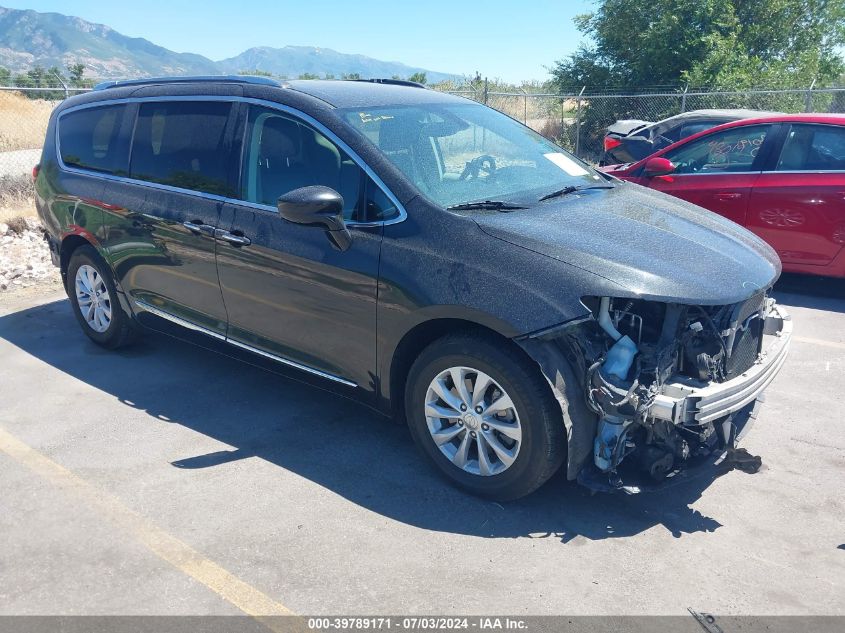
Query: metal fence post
x,y
64,85
684,99
808,98
578,122
486,91
562,116
525,107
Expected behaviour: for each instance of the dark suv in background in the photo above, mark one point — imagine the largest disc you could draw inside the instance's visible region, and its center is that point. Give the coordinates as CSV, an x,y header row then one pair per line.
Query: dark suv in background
x,y
425,254
630,140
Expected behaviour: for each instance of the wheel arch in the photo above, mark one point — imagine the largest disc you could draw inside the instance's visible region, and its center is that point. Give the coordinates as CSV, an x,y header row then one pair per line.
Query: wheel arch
x,y
416,339
68,245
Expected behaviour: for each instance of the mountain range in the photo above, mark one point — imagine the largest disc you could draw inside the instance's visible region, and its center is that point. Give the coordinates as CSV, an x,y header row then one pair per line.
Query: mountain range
x,y
29,38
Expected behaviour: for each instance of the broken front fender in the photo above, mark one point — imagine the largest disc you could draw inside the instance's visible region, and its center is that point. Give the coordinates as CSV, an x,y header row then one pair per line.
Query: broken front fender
x,y
565,373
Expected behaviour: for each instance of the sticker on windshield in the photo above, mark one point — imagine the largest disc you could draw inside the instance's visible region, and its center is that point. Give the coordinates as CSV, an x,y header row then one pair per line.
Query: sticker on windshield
x,y
566,164
366,117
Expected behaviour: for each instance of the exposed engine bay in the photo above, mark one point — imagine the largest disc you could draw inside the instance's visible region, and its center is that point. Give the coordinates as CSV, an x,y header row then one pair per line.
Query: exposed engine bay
x,y
667,383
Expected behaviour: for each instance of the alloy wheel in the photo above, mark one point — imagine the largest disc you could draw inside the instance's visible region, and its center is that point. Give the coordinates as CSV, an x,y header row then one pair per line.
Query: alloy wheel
x,y
93,298
473,421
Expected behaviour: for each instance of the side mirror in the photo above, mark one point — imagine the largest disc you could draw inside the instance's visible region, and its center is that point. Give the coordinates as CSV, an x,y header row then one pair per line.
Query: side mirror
x,y
658,166
317,206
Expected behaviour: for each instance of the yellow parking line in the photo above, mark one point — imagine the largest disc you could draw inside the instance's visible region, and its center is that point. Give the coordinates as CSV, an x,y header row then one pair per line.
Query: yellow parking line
x,y
818,341
170,549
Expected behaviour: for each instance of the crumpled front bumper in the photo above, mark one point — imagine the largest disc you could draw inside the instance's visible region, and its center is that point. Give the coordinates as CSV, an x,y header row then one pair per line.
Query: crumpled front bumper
x,y
686,401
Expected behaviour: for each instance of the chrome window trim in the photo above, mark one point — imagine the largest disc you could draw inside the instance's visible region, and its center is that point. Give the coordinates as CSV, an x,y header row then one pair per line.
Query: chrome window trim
x,y
146,307
402,215
144,183
721,173
806,171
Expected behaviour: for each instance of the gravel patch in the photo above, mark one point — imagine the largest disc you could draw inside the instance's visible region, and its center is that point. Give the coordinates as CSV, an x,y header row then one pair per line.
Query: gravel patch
x,y
25,257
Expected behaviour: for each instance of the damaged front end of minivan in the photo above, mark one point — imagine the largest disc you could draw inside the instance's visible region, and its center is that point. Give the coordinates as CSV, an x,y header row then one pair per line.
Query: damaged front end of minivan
x,y
650,388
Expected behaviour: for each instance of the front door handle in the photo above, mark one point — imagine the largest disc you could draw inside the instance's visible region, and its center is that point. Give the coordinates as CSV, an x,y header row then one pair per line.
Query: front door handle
x,y
231,238
197,227
728,195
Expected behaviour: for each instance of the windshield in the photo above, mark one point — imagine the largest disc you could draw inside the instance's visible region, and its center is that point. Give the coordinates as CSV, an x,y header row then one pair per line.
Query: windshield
x,y
461,153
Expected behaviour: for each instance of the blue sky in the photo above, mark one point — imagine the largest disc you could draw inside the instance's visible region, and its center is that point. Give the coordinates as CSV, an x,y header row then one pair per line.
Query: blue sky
x,y
499,38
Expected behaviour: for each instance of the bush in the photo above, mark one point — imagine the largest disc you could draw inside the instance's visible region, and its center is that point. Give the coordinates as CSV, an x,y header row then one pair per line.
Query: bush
x,y
16,189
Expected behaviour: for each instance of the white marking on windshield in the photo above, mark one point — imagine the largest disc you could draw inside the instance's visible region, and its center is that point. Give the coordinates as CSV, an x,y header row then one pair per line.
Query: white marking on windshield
x,y
566,164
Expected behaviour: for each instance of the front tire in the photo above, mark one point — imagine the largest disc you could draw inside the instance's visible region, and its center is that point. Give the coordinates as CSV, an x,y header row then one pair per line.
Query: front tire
x,y
93,296
483,415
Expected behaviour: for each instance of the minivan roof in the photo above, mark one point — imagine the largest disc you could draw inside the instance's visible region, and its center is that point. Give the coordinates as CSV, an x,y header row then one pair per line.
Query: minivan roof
x,y
337,93
361,94
227,79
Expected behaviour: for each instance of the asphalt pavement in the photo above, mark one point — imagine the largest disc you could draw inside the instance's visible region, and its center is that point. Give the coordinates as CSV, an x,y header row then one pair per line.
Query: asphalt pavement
x,y
167,479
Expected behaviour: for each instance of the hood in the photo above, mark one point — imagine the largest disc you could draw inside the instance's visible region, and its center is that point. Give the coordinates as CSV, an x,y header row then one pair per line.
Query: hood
x,y
646,243
616,169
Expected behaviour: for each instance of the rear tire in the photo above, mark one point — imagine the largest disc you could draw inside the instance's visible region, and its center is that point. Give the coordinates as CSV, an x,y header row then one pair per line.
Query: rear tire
x,y
93,295
482,413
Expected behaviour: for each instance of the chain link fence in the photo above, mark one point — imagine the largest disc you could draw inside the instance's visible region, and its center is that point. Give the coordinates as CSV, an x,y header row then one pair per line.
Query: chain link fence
x,y
576,121
24,113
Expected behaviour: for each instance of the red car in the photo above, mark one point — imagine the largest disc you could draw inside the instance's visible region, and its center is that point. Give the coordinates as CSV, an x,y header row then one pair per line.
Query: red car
x,y
782,177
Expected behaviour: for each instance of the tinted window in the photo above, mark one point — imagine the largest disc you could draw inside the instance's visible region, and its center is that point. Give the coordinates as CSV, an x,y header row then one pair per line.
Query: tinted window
x,y
283,154
813,148
90,139
732,150
379,206
694,128
182,144
672,134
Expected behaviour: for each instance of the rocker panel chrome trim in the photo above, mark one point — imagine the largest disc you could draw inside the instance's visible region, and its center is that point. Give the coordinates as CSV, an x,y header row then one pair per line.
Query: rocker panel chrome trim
x,y
143,305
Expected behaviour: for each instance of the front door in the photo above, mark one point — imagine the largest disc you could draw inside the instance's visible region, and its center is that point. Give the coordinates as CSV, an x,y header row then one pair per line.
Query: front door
x,y
290,293
716,171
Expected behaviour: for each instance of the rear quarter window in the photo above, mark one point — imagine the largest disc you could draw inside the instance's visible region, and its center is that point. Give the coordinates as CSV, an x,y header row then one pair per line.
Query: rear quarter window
x,y
90,139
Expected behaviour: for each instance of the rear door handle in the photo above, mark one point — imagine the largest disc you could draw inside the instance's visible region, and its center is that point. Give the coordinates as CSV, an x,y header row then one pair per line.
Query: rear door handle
x,y
728,195
231,238
197,227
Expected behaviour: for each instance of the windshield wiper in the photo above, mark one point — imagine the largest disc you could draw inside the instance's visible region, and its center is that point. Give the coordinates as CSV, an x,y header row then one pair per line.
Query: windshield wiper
x,y
496,205
572,189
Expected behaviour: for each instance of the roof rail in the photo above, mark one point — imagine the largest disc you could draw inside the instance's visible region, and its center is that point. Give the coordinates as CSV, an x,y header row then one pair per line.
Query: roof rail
x,y
394,82
233,79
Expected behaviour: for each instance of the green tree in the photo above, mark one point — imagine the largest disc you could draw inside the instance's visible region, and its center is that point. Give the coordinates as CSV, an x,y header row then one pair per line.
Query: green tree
x,y
54,78
76,71
309,76
419,78
351,76
255,73
719,43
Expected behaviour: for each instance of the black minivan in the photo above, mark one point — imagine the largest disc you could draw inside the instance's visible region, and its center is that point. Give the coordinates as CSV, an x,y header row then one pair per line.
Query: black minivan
x,y
426,255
